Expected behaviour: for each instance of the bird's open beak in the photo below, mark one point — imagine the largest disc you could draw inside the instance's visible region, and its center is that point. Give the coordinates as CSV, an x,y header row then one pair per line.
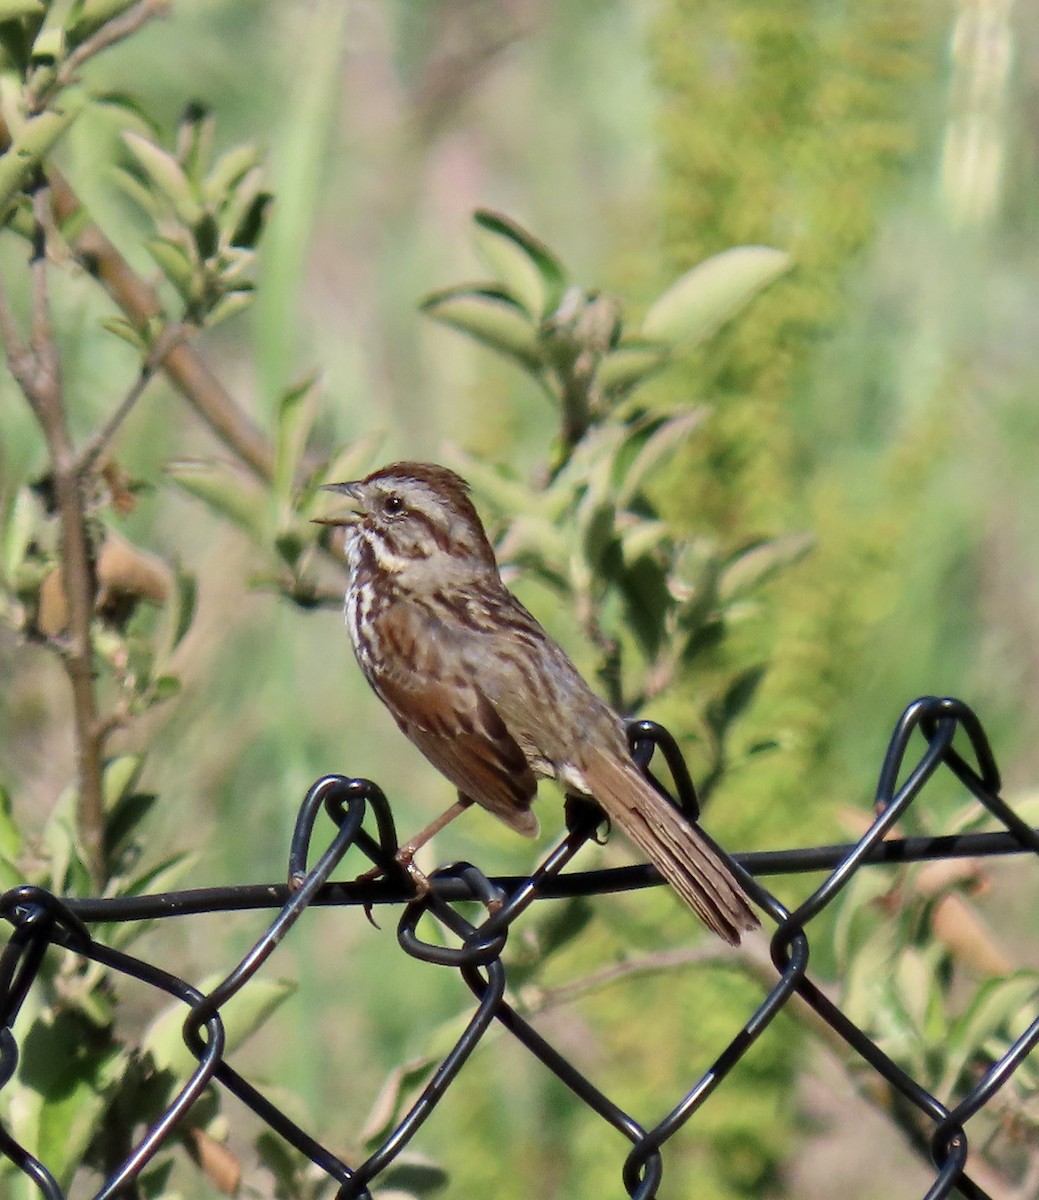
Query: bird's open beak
x,y
353,512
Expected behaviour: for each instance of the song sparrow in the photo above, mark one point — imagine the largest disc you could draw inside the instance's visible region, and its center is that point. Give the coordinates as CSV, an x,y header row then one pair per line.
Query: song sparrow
x,y
483,691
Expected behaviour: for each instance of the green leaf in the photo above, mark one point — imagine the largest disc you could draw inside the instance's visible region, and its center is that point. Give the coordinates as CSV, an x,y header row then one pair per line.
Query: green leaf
x,y
242,1015
411,1174
393,1098
869,967
917,990
250,225
297,408
557,927
855,917
289,545
207,236
11,10
122,328
233,205
659,439
19,218
225,489
195,134
160,878
285,1164
59,840
130,881
49,44
642,538
736,699
498,485
153,1183
33,141
167,176
229,305
350,462
490,315
128,109
123,820
67,1070
175,263
529,270
140,659
646,602
630,364
994,1006
759,562
95,13
182,609
539,545
233,268
229,170
598,535
165,687
10,836
704,298
17,535
119,777
137,190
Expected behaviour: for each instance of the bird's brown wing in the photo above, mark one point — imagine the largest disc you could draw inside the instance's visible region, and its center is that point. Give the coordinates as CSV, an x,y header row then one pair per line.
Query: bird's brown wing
x,y
458,729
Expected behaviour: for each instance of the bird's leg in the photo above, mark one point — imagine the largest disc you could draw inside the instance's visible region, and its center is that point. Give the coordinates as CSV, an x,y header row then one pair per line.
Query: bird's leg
x,y
406,854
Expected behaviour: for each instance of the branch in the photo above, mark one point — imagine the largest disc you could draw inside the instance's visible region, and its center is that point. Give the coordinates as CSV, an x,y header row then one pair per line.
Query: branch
x,y
183,365
20,361
36,369
108,34
648,964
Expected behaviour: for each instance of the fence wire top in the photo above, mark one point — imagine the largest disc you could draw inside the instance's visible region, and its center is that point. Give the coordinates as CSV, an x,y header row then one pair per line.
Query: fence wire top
x,y
477,950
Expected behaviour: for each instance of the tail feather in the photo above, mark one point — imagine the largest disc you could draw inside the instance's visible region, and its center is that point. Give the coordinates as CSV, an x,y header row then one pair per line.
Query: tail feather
x,y
678,850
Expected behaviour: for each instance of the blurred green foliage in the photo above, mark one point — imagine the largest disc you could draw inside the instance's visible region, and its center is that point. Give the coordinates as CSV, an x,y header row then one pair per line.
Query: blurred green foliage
x,y
876,400
841,401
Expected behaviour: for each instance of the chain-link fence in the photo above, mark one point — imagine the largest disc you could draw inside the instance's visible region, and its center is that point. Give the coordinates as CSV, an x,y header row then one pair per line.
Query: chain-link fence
x,y
41,920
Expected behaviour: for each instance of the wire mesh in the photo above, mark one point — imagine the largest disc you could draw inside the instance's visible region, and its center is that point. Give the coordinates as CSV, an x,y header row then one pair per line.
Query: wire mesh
x,y
40,920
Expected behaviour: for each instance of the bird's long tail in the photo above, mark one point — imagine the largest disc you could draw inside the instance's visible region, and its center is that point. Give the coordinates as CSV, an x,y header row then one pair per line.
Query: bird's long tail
x,y
678,850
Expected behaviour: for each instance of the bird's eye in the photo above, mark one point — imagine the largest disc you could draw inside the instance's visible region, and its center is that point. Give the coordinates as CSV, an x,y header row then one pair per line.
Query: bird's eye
x,y
392,505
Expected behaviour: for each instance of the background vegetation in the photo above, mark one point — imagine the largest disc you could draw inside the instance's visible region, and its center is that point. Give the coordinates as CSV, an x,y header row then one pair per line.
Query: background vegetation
x,y
880,398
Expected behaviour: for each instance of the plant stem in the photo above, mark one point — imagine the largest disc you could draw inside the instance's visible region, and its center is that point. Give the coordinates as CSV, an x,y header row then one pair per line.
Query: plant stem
x,y
183,365
115,30
36,369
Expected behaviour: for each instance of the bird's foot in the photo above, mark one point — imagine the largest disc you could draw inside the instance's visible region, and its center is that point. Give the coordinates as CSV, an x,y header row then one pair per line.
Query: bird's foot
x,y
405,859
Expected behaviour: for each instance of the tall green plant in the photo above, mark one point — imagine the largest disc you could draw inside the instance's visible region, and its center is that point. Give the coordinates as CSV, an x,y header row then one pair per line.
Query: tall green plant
x,y
818,125
659,613
113,615
810,135
648,602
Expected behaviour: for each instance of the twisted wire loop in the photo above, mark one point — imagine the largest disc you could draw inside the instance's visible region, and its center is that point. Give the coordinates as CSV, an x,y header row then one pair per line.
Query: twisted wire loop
x,y
477,950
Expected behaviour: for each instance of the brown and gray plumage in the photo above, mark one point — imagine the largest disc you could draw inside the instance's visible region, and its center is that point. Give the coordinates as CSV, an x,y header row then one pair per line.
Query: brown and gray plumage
x,y
484,692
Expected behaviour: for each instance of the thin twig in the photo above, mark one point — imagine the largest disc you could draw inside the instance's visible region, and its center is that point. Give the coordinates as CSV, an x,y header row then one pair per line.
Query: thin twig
x,y
753,959
647,964
116,30
169,338
41,335
20,361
